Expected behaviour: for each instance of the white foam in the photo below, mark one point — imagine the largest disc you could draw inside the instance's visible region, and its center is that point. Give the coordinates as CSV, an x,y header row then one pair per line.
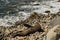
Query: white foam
x,y
47,7
10,20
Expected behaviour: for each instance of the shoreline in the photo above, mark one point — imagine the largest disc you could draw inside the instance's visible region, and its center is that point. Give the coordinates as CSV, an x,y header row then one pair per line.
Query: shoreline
x,y
42,19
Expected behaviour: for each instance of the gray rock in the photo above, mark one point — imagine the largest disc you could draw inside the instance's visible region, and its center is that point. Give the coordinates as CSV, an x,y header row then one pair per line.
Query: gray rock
x,y
54,22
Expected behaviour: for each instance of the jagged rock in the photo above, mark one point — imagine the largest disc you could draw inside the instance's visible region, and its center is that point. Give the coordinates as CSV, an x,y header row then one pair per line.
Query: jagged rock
x,y
47,11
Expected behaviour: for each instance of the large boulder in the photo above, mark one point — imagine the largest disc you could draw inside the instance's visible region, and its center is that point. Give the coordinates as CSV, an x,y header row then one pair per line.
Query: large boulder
x,y
54,33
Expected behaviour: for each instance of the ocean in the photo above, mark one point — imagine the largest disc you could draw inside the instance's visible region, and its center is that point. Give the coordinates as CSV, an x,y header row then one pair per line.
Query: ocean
x,y
19,10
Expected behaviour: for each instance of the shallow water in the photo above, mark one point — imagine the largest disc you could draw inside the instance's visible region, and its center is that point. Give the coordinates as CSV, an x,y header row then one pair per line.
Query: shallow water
x,y
24,9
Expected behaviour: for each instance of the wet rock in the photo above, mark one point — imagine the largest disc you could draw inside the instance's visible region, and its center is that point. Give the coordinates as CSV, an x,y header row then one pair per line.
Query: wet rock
x,y
35,4
47,11
1,35
51,7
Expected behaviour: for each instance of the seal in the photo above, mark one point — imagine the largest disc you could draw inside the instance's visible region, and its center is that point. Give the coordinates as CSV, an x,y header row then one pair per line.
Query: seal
x,y
30,30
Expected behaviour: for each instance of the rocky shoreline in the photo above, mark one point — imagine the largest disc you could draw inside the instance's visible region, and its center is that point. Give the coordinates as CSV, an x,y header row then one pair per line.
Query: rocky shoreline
x,y
46,22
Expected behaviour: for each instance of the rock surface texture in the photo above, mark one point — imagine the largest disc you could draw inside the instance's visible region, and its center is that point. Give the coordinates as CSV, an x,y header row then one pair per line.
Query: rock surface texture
x,y
54,33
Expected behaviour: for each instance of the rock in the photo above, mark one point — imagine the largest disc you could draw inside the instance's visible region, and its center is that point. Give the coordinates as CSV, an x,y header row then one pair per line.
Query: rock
x,y
47,11
54,33
54,22
17,23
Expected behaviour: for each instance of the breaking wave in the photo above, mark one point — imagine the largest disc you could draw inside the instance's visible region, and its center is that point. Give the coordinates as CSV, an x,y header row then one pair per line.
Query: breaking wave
x,y
21,11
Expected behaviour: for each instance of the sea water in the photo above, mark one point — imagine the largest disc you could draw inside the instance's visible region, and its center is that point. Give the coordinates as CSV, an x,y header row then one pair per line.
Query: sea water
x,y
24,8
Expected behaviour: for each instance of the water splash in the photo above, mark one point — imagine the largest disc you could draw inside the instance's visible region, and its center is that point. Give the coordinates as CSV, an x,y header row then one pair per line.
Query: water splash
x,y
26,10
